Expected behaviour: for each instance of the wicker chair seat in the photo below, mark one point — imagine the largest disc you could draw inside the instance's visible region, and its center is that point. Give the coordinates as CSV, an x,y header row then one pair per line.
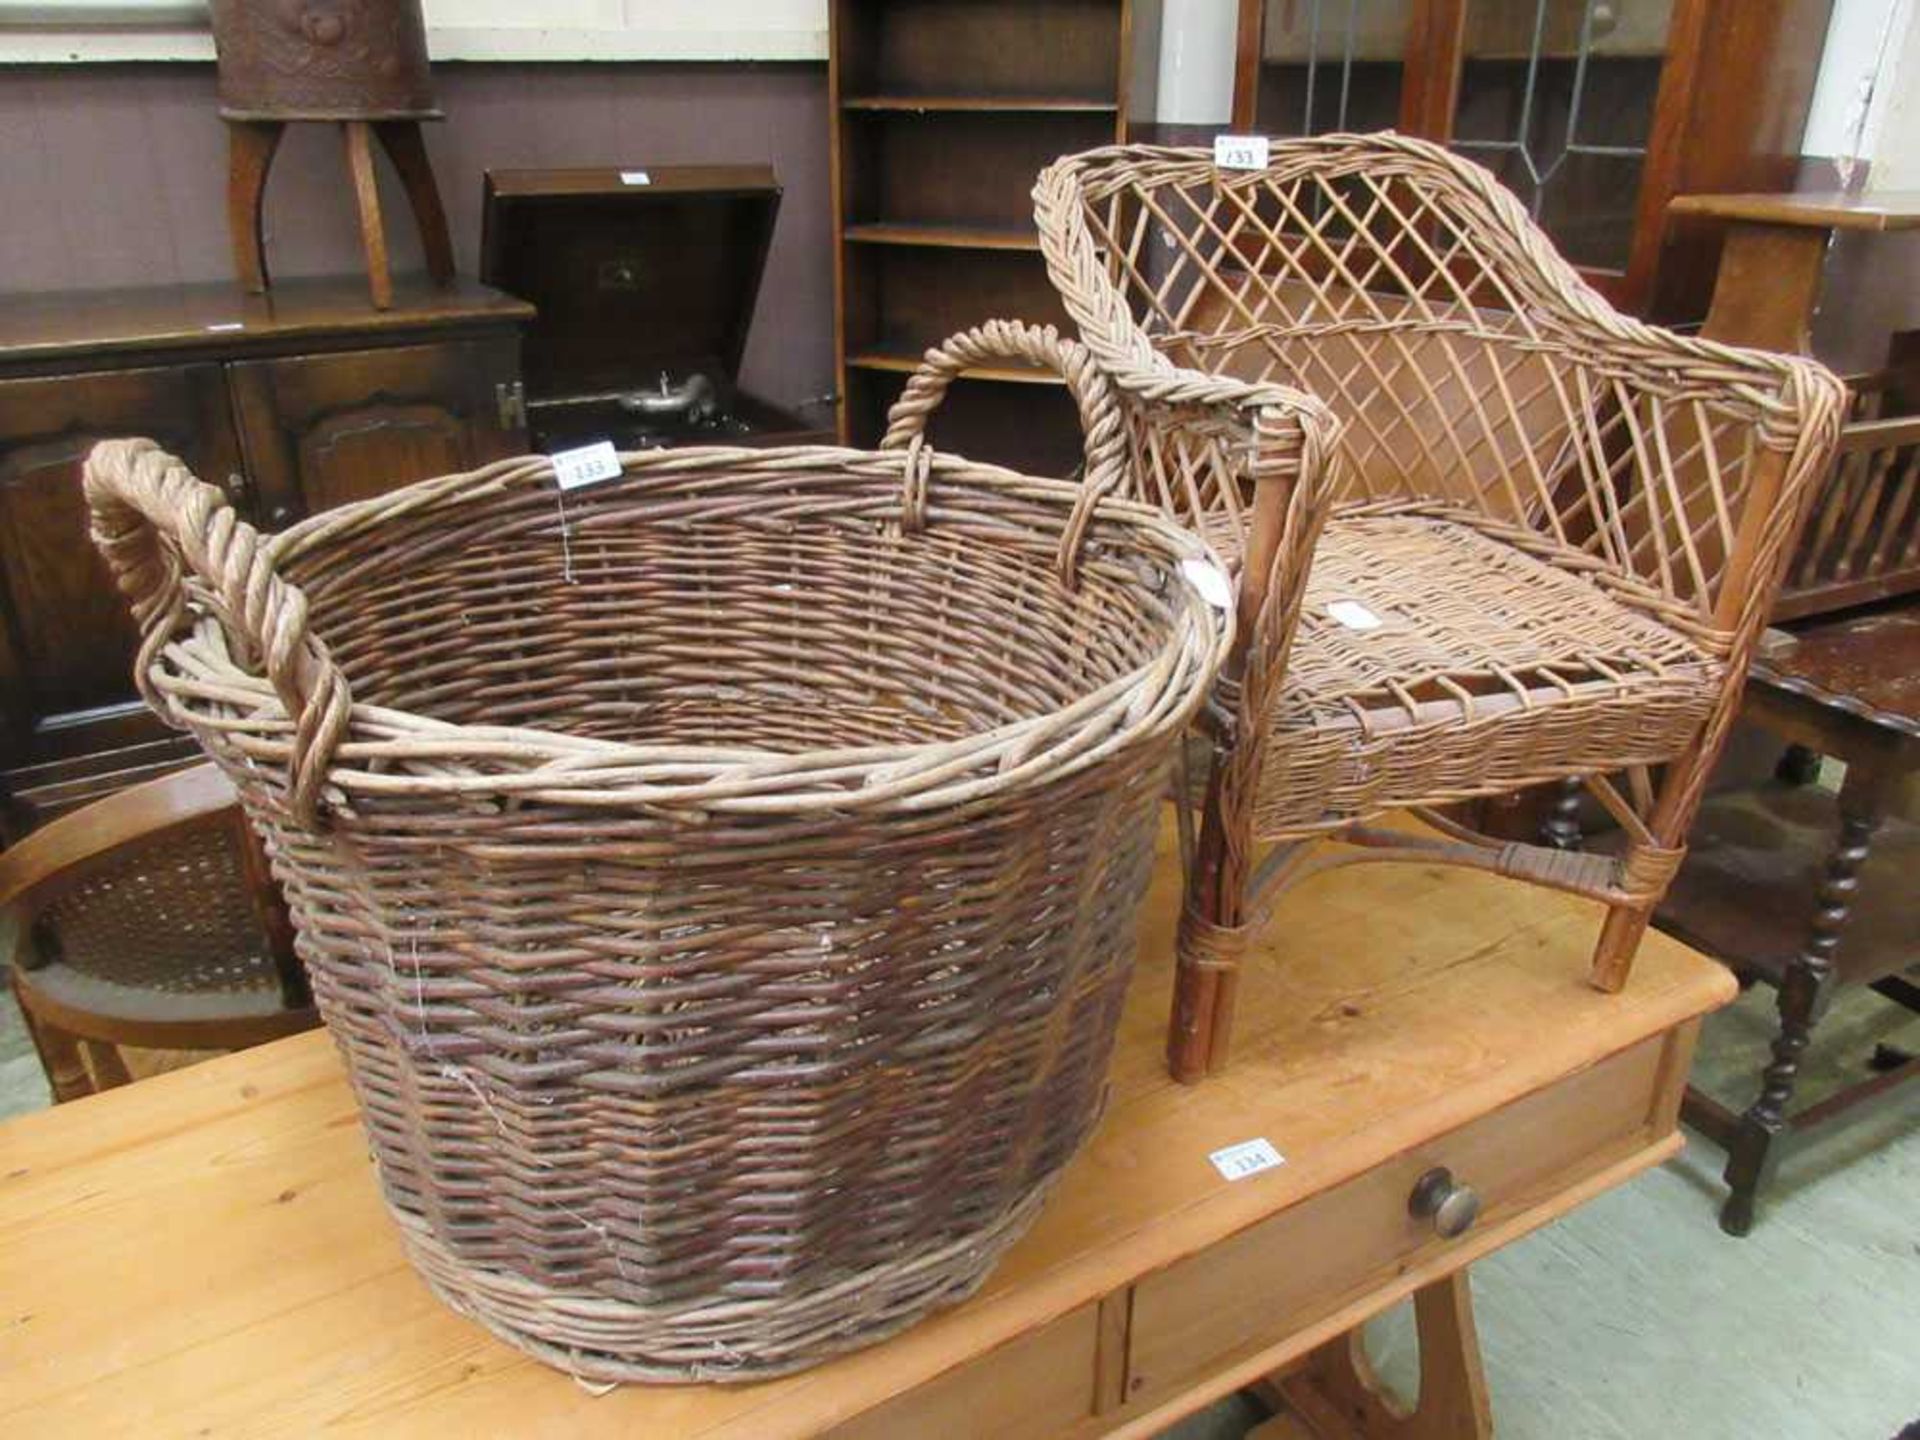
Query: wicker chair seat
x,y
1484,655
254,993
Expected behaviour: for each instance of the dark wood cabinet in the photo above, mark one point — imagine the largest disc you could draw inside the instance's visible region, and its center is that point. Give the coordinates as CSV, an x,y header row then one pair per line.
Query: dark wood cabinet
x,y
1595,112
68,641
293,403
320,430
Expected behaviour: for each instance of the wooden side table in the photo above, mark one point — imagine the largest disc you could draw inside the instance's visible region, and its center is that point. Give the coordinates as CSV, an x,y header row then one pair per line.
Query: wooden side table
x,y
1776,247
1777,878
1756,869
206,1251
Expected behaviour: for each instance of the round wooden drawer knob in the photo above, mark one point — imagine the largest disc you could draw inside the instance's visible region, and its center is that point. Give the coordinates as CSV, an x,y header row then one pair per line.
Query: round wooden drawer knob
x,y
1451,1206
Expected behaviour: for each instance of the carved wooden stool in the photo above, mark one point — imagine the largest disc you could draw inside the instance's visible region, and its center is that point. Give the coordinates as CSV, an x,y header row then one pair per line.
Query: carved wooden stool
x,y
361,64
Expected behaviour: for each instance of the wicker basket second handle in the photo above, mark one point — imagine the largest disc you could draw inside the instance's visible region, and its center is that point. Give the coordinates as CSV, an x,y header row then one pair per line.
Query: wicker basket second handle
x,y
1100,418
155,522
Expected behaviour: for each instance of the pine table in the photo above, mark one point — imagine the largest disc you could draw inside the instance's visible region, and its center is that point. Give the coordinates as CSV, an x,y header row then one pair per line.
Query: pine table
x,y
205,1254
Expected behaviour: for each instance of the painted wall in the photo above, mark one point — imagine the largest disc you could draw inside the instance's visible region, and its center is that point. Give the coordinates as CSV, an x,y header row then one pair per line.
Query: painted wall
x,y
115,175
1865,110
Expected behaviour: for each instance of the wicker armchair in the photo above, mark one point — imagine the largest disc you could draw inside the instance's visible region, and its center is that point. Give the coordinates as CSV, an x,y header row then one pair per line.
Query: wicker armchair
x,y
1551,532
147,918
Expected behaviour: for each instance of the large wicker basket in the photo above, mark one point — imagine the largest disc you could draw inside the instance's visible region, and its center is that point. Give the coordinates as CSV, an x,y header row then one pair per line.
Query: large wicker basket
x,y
720,881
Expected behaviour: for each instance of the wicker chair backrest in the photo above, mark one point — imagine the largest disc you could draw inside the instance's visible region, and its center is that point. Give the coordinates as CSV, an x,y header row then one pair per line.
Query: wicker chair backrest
x,y
1467,361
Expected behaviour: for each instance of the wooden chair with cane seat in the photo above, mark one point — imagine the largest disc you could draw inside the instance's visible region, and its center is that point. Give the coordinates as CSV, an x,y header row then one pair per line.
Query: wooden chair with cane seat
x,y
1545,547
147,919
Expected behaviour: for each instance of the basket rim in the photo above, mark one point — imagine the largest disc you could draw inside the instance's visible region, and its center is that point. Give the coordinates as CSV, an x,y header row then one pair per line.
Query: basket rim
x,y
388,752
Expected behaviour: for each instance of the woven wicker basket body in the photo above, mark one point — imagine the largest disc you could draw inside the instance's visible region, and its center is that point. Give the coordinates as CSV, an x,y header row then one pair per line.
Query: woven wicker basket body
x,y
721,882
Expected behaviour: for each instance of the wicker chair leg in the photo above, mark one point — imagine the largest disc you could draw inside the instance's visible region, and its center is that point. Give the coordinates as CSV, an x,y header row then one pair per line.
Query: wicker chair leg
x,y
1619,943
1212,934
109,1070
1649,864
67,1074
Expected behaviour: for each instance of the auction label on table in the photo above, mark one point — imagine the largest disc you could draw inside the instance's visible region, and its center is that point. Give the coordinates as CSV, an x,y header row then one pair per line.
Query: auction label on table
x,y
584,466
1249,1157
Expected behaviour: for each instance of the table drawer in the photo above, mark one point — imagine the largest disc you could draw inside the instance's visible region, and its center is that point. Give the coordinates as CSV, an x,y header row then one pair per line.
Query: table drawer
x,y
1038,1386
1284,1273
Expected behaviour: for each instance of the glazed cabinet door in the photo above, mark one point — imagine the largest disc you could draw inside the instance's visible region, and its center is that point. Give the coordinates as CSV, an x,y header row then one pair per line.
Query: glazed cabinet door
x,y
66,639
320,430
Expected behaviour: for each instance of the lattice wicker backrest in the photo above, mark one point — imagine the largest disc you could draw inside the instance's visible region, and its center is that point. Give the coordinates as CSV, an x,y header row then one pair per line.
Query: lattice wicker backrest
x,y
1468,363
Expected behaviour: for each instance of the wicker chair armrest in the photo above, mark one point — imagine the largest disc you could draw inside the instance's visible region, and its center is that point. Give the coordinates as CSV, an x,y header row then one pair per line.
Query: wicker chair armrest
x,y
63,852
1789,408
1285,448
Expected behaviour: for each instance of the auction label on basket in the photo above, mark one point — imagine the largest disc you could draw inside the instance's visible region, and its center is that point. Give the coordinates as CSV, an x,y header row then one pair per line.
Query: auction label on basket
x,y
586,465
1249,1157
1240,152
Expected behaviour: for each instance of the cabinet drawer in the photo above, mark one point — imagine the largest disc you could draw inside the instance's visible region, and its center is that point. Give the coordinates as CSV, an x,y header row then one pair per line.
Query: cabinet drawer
x,y
1038,1386
1303,1263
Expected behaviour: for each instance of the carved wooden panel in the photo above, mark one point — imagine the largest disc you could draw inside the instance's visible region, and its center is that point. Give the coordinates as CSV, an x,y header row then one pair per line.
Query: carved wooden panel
x,y
320,430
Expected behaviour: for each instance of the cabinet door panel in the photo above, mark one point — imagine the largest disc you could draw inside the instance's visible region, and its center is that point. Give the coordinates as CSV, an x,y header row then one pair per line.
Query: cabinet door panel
x,y
320,430
66,639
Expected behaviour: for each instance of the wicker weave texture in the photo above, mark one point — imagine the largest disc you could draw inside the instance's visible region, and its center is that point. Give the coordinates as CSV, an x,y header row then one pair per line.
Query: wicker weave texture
x,y
1522,537
169,916
721,881
1564,508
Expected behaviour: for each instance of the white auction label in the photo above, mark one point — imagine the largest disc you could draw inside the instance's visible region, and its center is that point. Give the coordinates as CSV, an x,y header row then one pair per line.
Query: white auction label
x,y
1210,580
1240,152
1353,615
635,177
586,465
1249,1157
222,327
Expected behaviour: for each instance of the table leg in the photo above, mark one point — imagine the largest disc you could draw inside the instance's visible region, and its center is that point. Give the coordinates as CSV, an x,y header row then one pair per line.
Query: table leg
x,y
1803,995
59,1052
1797,766
1335,1394
1767,285
1561,828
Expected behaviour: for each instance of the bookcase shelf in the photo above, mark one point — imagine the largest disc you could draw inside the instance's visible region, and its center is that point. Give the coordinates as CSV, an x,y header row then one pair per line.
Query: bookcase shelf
x,y
901,358
943,112
943,237
1010,104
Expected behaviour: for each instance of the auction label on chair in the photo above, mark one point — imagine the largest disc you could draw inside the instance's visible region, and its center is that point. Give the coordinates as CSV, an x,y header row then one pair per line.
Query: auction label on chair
x,y
1240,152
1210,580
1249,1157
586,465
1353,615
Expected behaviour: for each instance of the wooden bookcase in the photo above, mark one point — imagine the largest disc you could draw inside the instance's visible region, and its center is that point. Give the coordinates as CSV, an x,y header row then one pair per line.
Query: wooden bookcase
x,y
1618,106
944,111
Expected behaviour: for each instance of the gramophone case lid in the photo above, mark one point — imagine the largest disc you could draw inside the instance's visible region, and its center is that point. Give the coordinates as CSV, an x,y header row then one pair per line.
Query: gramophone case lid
x,y
633,271
322,60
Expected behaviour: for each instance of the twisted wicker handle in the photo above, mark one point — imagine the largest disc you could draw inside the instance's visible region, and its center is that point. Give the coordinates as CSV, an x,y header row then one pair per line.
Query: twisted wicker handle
x,y
155,523
1100,419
